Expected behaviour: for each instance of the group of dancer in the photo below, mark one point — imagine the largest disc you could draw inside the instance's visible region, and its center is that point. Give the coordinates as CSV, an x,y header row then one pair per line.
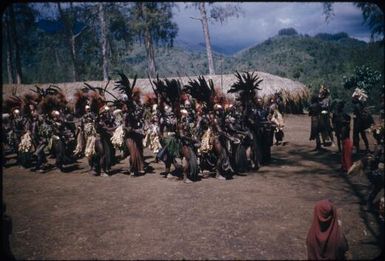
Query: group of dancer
x,y
323,124
194,129
325,119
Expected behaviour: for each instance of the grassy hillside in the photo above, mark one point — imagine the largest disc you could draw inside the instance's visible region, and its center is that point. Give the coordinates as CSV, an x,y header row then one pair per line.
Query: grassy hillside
x,y
322,59
313,60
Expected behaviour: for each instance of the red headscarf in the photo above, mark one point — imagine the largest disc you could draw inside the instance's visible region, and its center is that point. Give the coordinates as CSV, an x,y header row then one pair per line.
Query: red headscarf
x,y
325,240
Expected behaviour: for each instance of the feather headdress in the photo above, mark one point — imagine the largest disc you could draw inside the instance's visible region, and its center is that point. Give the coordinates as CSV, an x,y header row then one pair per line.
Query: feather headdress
x,y
51,98
149,99
80,101
221,98
324,91
169,91
11,103
21,103
246,86
124,86
50,103
202,91
361,94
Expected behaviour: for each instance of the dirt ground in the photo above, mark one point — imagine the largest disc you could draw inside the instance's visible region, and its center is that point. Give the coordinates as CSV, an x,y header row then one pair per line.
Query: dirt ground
x,y
264,215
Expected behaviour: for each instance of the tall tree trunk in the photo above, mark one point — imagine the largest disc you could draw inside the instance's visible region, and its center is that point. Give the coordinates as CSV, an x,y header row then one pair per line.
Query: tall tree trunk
x,y
205,27
70,42
9,59
148,45
150,53
103,41
15,45
75,71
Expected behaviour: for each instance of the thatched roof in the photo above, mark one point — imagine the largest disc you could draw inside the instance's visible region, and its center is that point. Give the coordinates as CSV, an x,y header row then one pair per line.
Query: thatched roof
x,y
292,91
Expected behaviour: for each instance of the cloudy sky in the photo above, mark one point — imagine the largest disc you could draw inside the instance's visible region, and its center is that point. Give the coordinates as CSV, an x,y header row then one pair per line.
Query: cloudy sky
x,y
260,21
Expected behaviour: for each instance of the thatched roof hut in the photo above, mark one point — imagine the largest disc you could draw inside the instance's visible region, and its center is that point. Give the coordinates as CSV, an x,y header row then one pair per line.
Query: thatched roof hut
x,y
294,93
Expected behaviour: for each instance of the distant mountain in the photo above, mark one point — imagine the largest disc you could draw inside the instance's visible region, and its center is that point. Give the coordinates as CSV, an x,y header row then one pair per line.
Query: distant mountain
x,y
322,59
312,60
201,47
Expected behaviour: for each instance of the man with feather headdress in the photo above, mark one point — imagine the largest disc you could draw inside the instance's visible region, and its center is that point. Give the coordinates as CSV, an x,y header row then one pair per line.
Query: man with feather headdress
x,y
152,129
362,119
168,95
133,124
276,117
211,132
20,137
95,130
325,127
53,128
247,86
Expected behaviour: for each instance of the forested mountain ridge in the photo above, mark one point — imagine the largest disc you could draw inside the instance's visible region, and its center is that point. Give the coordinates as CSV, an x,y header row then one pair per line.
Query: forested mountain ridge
x,y
312,60
322,59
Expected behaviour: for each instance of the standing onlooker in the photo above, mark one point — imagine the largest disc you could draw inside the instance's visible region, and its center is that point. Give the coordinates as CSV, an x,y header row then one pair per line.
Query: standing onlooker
x,y
325,239
362,119
341,125
347,145
314,113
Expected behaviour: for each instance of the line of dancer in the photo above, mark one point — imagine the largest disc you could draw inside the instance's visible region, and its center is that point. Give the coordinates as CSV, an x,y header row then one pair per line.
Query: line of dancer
x,y
194,129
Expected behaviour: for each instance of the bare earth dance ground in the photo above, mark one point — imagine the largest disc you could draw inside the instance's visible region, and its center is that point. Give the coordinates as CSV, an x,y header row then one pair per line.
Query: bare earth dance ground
x,y
265,215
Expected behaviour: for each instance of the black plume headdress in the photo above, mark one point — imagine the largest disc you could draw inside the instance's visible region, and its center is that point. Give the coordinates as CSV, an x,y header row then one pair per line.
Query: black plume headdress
x,y
202,91
246,86
51,90
169,91
11,103
125,87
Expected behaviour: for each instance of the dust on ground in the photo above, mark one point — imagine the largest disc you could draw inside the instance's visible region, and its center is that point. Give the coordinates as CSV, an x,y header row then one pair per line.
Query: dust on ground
x,y
264,215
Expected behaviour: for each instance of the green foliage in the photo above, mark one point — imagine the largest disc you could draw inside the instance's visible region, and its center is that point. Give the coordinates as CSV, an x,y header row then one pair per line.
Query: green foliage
x,y
373,17
364,77
332,37
155,17
313,60
222,13
322,59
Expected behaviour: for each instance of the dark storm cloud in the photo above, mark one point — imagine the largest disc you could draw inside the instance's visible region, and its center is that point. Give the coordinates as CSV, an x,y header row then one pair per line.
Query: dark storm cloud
x,y
263,20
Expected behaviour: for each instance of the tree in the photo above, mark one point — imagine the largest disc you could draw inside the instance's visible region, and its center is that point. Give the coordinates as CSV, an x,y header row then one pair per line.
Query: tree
x,y
103,40
68,17
217,13
373,17
15,43
364,77
151,23
18,20
371,12
8,46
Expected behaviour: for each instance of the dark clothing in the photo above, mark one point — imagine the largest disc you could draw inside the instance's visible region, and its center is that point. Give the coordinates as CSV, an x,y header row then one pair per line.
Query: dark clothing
x,y
362,121
133,123
314,113
325,239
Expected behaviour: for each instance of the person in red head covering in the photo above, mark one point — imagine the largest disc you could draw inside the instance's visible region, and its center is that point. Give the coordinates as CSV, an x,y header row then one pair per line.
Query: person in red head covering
x,y
325,239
